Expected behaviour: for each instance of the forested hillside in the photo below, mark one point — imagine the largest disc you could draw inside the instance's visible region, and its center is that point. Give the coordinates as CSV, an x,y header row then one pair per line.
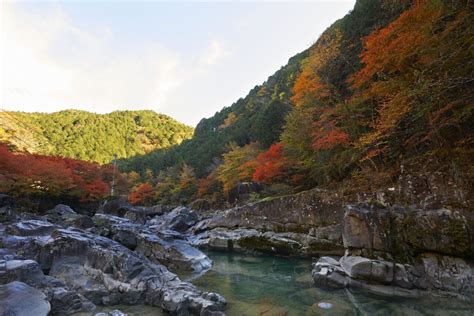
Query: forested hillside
x,y
90,136
387,87
259,117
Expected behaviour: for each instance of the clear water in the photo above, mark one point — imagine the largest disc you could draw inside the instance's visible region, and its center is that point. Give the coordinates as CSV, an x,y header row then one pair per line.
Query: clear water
x,y
274,286
267,285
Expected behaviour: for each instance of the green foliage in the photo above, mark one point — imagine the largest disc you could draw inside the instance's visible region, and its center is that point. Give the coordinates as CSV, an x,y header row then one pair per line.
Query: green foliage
x,y
93,137
259,117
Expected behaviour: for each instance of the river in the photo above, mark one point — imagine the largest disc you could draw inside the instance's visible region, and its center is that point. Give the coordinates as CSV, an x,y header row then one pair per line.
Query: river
x,y
269,285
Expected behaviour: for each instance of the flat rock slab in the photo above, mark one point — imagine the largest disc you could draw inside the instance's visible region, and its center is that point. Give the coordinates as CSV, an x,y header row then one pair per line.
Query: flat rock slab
x,y
31,228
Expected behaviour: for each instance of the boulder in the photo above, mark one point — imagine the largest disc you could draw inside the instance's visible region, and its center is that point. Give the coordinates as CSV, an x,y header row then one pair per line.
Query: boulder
x,y
63,300
120,207
65,216
61,209
20,299
449,274
442,275
107,273
200,205
116,206
222,239
31,228
242,191
241,240
179,219
166,247
176,254
378,271
7,215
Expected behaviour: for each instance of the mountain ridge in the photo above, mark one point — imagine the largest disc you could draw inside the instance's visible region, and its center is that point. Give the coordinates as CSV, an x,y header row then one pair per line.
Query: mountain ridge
x,y
91,136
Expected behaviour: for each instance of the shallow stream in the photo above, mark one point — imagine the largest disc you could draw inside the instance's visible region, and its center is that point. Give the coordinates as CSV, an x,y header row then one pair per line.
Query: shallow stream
x,y
268,285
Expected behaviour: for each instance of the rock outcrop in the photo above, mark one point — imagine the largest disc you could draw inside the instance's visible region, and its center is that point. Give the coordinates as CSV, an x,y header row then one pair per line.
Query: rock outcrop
x,y
157,243
85,269
306,224
404,252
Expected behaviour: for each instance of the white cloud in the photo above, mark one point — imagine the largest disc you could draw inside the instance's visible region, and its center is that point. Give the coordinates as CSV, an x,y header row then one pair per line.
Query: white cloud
x,y
214,53
48,64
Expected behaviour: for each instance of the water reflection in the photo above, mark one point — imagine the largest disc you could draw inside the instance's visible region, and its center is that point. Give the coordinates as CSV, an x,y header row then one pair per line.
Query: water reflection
x,y
265,285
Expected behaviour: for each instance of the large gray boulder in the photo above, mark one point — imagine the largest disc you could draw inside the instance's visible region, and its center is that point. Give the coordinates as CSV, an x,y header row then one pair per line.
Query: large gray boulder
x,y
166,247
379,271
20,299
442,275
179,219
63,300
107,273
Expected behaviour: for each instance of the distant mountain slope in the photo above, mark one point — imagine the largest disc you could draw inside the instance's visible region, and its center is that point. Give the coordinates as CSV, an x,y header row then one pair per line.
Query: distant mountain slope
x,y
261,115
90,136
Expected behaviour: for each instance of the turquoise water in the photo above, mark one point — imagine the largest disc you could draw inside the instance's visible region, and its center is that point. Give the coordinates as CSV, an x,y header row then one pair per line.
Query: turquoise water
x,y
266,285
276,286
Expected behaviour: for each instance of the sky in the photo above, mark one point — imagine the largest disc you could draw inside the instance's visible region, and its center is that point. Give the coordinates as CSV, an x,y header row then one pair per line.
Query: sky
x,y
184,59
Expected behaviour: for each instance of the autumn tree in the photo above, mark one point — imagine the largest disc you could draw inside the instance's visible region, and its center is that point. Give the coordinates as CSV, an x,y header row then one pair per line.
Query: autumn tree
x,y
143,194
235,167
415,89
187,183
35,175
270,165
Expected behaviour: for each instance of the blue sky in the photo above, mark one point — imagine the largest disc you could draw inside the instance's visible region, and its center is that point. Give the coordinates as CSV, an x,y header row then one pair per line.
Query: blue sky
x,y
184,59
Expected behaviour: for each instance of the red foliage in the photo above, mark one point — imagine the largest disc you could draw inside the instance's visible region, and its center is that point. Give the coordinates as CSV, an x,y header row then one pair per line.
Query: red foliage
x,y
270,165
143,194
23,174
329,138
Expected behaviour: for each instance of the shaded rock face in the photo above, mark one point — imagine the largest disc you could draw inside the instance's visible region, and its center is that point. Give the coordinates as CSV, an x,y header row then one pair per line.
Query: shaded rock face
x,y
18,299
295,213
404,252
403,234
305,224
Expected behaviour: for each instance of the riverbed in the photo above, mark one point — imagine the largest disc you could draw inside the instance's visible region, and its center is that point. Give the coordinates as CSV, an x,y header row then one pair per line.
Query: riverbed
x,y
269,285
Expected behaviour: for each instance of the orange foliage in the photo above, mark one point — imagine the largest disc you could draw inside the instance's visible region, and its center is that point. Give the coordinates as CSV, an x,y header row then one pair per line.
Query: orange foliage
x,y
143,194
392,49
403,69
309,86
270,165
